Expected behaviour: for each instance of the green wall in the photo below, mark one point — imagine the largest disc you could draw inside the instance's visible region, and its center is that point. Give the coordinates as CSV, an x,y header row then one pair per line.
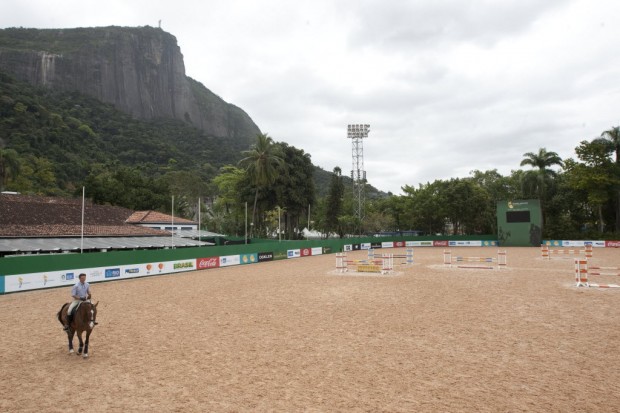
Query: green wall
x,y
519,223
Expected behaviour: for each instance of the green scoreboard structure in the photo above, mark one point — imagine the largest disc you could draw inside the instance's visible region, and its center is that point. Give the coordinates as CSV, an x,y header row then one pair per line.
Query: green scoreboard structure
x,y
519,223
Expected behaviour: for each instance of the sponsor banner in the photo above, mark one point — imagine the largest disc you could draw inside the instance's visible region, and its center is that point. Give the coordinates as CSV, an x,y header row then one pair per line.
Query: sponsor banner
x,y
306,252
265,256
228,260
598,244
552,243
317,251
490,243
570,243
612,244
112,273
399,244
249,258
185,265
366,245
347,248
387,244
280,255
1,284
465,243
206,263
375,245
327,250
440,243
293,253
357,247
419,243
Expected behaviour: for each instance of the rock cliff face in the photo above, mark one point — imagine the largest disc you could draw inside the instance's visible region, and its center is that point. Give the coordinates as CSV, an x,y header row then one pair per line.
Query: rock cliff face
x,y
139,70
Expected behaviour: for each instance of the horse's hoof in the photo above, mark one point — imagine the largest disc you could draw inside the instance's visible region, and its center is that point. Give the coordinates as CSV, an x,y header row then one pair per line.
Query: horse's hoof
x,y
85,355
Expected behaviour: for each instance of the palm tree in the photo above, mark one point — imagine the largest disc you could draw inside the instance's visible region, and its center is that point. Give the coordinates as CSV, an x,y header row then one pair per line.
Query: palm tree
x,y
539,180
9,166
611,138
261,163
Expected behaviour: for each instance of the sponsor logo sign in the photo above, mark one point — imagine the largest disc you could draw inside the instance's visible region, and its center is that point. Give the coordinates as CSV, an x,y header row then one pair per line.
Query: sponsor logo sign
x,y
280,255
552,243
365,245
132,270
612,244
229,260
419,244
375,245
327,250
490,243
306,252
249,258
206,263
399,244
317,251
465,243
389,244
265,256
293,253
357,247
183,265
112,272
440,243
347,248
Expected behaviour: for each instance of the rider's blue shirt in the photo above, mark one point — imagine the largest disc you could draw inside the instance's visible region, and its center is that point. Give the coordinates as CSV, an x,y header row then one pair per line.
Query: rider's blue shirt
x,y
80,290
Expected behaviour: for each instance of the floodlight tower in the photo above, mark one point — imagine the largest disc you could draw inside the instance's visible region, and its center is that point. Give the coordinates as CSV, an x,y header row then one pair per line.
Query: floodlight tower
x,y
357,133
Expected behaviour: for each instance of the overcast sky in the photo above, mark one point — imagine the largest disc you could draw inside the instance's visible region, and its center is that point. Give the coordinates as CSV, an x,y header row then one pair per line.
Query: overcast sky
x,y
447,86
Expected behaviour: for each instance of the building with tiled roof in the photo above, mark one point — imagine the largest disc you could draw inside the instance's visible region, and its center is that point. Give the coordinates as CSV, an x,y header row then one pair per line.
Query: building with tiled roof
x,y
24,218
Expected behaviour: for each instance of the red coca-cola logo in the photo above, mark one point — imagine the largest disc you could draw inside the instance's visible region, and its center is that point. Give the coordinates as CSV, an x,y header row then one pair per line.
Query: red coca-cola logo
x,y
306,252
612,244
398,244
211,262
440,243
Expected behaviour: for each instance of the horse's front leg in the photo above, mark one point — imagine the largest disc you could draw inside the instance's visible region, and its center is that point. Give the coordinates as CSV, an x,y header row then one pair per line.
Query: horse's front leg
x,y
81,347
70,334
85,355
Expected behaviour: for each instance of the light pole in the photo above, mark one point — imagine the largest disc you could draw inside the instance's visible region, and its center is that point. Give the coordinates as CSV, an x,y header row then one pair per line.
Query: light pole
x,y
357,133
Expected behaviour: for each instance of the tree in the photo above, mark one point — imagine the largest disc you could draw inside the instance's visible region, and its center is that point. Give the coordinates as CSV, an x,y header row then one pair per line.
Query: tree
x,y
539,181
333,207
9,166
261,163
611,139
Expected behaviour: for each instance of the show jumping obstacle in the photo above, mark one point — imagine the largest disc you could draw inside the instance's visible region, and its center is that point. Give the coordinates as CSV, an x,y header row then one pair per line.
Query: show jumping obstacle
x,y
384,265
582,271
547,253
408,256
498,262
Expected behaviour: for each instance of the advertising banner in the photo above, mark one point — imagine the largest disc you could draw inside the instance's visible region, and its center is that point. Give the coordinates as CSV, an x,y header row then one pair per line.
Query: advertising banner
x,y
612,244
229,260
465,243
265,256
206,263
419,244
327,250
375,245
440,243
306,252
490,243
317,251
293,253
347,248
249,258
387,244
552,243
366,245
399,244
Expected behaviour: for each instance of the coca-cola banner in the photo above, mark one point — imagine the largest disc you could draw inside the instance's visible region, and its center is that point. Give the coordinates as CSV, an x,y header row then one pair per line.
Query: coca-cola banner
x,y
306,252
612,244
399,244
206,263
440,243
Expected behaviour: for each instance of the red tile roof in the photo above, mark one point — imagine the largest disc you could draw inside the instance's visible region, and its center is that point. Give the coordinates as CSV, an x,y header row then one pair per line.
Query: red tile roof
x,y
37,216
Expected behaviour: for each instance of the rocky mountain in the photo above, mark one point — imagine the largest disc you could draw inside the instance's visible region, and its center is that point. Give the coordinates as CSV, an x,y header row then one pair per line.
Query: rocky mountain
x,y
138,70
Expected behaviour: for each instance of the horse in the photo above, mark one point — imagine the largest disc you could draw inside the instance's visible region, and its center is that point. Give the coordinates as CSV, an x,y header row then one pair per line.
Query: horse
x,y
84,320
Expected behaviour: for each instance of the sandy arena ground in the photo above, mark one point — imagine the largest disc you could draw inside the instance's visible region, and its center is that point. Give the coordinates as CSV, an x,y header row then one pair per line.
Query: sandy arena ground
x,y
293,335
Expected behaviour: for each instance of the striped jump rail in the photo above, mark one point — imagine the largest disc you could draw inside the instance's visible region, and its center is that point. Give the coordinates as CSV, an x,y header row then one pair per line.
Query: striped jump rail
x,y
498,262
385,265
547,253
583,271
408,256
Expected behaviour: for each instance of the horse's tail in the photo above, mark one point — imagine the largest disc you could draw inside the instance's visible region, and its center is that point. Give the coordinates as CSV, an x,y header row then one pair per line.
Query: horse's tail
x,y
59,315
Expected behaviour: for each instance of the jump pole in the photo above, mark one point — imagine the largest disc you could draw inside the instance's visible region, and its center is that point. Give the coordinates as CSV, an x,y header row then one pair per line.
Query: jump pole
x,y
582,271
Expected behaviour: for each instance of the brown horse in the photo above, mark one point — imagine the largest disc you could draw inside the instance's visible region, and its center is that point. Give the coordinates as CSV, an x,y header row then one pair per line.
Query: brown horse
x,y
84,320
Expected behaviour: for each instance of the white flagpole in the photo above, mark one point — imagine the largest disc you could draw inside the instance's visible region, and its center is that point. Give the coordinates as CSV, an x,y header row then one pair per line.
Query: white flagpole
x,y
172,237
82,238
198,219
246,222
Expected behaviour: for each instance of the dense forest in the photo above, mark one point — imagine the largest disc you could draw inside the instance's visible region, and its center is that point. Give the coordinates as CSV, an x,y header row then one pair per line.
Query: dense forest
x,y
54,143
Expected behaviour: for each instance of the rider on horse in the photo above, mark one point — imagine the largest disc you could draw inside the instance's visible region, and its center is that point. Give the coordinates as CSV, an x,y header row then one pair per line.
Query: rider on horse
x,y
79,292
